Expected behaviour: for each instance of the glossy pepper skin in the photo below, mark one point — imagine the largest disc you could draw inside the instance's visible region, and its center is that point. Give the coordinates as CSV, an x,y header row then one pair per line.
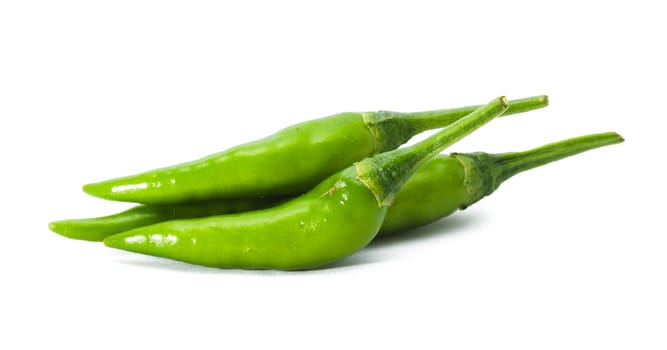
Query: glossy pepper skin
x,y
290,162
435,190
333,220
445,184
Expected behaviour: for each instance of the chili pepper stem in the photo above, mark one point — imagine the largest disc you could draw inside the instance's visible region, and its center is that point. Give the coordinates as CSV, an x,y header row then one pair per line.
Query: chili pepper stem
x,y
515,106
485,172
392,129
384,174
517,162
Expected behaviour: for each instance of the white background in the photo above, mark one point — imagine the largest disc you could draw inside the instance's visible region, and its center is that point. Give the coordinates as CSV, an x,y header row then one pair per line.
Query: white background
x,y
569,256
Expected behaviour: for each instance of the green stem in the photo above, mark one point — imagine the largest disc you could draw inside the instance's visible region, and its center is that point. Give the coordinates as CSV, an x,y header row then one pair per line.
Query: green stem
x,y
485,172
384,174
439,118
393,129
517,162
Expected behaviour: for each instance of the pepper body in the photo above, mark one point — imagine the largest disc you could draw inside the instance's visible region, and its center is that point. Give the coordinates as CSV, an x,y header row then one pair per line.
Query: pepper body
x,y
289,162
436,190
333,220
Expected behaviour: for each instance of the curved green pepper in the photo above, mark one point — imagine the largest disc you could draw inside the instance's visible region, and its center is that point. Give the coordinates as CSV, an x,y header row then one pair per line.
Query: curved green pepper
x,y
434,191
335,219
289,162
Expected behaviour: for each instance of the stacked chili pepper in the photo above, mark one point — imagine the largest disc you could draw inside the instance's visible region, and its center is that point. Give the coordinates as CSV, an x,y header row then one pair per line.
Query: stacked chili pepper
x,y
315,192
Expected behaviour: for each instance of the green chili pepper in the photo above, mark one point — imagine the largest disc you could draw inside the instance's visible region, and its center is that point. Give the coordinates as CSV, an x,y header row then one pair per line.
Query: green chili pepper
x,y
289,162
434,191
451,182
335,219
